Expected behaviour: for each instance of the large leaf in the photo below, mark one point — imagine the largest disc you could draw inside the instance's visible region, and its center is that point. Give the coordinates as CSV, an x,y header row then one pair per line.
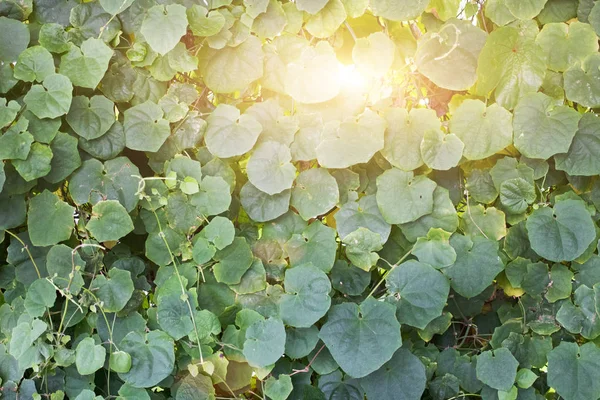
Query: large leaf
x,y
232,69
91,118
415,193
152,358
497,369
543,129
262,207
269,168
230,134
561,233
47,210
483,130
87,65
361,338
575,371
89,356
315,244
449,56
398,10
581,82
422,292
115,291
401,378
163,26
351,142
145,128
477,264
581,158
52,98
307,296
511,64
567,45
264,342
109,221
404,134
315,193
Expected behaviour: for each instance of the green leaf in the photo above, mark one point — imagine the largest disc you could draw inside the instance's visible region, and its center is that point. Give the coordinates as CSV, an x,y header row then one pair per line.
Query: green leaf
x,y
443,216
34,64
435,249
37,164
87,65
516,194
525,9
580,159
561,233
361,338
8,111
567,45
145,128
115,7
313,76
404,135
543,129
300,341
580,316
512,64
54,37
230,134
449,56
361,214
347,279
41,296
483,130
16,143
271,23
497,369
163,26
52,98
262,207
91,118
14,211
315,244
115,291
232,69
441,151
152,358
374,54
279,389
205,23
195,388
581,82
525,378
487,222
398,10
569,366
24,335
422,292
47,210
415,193
109,221
477,264
269,168
307,296
355,141
120,361
324,23
361,247
62,262
402,377
15,38
89,356
65,157
315,193
214,196
311,6
264,342
220,231
233,261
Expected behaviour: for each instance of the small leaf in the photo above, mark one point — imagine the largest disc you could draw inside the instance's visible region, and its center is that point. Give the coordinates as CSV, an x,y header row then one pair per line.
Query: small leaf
x,y
89,356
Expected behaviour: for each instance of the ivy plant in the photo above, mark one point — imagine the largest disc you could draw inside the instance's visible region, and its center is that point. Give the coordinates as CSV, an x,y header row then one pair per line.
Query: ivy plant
x,y
309,199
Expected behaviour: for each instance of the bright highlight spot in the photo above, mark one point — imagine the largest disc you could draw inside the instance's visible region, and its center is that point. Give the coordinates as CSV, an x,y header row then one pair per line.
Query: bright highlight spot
x,y
351,79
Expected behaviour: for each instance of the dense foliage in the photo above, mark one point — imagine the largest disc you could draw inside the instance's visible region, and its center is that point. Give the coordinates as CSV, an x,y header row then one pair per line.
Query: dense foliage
x,y
314,199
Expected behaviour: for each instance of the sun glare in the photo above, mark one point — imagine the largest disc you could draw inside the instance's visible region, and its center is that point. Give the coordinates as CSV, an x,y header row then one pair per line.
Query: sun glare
x,y
351,79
